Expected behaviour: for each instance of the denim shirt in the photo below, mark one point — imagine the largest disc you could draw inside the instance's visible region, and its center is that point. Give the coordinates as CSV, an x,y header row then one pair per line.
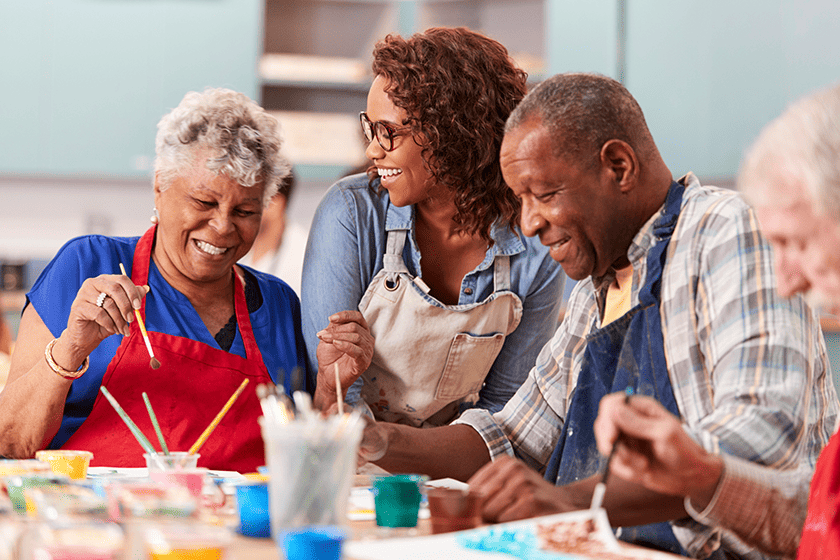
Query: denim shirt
x,y
344,252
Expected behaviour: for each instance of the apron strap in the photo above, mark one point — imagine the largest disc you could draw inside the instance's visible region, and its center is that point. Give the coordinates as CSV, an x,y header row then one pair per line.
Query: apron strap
x,y
628,352
663,229
392,260
501,273
393,263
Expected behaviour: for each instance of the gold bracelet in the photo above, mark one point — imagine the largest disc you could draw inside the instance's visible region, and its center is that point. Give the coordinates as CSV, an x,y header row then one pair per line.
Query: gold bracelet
x,y
65,373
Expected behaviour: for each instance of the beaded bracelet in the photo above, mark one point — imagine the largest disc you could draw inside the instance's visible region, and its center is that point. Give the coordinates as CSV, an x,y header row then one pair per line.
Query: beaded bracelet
x,y
65,373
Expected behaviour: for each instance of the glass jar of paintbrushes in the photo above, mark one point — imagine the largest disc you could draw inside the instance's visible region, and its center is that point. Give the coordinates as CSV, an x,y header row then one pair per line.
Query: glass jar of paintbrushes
x,y
311,462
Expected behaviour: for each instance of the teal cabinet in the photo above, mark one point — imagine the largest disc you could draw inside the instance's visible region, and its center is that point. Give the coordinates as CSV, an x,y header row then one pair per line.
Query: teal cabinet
x,y
84,82
707,73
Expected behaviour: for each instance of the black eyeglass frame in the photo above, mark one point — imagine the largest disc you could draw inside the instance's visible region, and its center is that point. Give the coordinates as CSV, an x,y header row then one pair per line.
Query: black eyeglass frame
x,y
379,130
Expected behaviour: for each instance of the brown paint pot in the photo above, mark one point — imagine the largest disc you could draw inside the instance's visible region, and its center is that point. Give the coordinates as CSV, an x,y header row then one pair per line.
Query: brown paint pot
x,y
453,509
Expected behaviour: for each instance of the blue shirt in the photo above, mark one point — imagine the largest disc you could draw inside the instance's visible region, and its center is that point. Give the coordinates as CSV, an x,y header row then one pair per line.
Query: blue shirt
x,y
344,252
276,323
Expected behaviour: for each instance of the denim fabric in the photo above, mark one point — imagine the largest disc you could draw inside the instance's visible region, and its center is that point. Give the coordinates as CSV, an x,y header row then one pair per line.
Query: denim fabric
x,y
344,252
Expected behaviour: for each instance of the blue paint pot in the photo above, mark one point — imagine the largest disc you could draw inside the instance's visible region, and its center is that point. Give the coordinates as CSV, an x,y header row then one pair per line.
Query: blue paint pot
x,y
314,543
252,504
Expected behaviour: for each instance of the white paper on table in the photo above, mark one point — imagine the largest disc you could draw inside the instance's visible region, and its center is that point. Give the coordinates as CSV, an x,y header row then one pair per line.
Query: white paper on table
x,y
417,548
449,483
143,472
117,472
449,545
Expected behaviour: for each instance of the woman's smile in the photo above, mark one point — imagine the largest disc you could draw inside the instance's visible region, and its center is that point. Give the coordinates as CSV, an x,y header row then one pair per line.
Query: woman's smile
x,y
209,249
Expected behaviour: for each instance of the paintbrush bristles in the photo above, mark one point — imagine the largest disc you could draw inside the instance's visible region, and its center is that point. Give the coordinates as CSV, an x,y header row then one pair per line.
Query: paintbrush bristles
x,y
154,363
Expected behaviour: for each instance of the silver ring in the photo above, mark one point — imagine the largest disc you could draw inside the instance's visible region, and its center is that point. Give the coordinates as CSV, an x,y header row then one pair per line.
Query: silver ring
x,y
100,301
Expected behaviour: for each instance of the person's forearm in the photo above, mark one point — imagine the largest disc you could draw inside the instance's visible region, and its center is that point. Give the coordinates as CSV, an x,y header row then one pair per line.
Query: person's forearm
x,y
628,504
772,516
25,426
324,398
455,451
32,402
705,481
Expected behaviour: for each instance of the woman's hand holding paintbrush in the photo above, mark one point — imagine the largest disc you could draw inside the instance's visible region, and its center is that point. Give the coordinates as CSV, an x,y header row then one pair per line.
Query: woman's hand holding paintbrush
x,y
104,305
649,446
346,342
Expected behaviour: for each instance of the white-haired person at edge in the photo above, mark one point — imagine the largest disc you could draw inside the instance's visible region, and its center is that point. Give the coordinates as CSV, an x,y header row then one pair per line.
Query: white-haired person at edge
x,y
279,246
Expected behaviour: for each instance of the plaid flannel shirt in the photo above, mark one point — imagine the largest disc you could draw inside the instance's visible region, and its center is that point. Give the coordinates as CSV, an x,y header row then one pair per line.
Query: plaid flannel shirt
x,y
748,368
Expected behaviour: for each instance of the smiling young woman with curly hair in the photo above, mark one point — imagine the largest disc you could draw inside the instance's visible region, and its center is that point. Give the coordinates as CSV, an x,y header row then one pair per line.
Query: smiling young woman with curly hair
x,y
418,286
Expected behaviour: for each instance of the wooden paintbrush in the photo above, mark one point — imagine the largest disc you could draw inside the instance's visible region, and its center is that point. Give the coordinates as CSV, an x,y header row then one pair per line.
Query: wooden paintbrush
x,y
339,400
153,362
601,487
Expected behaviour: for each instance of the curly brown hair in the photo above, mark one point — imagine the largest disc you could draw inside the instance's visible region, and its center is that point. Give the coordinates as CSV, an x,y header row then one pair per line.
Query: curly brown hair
x,y
458,88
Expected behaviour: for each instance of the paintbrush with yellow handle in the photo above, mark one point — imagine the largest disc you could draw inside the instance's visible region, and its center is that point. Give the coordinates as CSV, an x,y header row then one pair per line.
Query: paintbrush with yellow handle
x,y
153,362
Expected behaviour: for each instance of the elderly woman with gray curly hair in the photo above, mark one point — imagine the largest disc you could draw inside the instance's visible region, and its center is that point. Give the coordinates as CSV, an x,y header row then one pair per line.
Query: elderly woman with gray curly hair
x,y
211,323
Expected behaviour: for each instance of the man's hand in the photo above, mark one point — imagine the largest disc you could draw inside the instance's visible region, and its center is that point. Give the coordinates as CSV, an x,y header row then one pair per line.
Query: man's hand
x,y
513,491
654,450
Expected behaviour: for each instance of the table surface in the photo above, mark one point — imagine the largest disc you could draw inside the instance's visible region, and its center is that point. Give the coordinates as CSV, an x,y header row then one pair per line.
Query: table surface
x,y
246,548
388,545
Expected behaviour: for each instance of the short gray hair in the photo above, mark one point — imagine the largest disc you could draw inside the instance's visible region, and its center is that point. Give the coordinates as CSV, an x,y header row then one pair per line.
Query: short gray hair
x,y
803,144
241,139
582,112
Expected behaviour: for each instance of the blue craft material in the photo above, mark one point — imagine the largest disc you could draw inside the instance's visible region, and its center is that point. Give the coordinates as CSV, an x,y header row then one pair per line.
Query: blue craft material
x,y
520,543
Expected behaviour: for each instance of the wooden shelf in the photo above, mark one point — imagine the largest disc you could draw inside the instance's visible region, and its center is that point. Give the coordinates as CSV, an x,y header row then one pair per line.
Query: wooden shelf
x,y
362,86
315,69
320,138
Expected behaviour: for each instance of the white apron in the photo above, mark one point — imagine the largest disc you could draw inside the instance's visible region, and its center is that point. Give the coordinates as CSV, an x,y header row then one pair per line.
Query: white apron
x,y
429,357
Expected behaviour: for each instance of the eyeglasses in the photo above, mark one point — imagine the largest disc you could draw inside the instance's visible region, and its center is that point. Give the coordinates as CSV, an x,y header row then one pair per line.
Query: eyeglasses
x,y
383,132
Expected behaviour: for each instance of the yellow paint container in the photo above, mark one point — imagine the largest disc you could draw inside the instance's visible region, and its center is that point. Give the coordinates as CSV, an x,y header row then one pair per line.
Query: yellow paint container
x,y
198,553
65,461
187,541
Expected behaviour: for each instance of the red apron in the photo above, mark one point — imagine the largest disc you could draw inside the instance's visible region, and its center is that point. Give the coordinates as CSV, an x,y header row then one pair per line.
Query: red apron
x,y
192,385
821,534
